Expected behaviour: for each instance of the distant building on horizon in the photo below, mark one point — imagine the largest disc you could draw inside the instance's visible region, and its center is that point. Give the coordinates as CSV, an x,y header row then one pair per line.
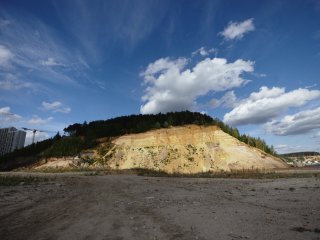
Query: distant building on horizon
x,y
11,139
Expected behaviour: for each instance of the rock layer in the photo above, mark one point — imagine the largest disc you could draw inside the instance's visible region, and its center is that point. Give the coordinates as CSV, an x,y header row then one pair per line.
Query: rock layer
x,y
188,149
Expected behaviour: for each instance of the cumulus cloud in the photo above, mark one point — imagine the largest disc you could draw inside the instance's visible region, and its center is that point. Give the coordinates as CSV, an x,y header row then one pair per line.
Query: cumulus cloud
x,y
5,56
266,104
55,107
7,116
203,52
236,30
299,123
5,110
170,86
228,100
39,121
162,65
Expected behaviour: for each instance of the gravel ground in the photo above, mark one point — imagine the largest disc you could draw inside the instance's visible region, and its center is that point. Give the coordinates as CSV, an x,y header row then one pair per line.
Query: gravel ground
x,y
75,206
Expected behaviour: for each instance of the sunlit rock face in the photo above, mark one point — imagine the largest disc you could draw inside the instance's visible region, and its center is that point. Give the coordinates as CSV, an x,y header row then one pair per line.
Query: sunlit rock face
x,y
188,149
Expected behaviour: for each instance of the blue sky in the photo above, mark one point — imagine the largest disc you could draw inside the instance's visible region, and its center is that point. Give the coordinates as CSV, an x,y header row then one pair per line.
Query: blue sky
x,y
252,64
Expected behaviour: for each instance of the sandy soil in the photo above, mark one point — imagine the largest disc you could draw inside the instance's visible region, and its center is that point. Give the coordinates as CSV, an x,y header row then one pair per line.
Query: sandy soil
x,y
74,206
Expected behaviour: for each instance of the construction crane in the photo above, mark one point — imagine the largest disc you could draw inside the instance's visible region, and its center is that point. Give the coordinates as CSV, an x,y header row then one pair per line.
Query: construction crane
x,y
34,132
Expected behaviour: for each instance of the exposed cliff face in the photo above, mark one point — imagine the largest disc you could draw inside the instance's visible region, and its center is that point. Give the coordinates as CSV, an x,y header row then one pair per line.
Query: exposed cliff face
x,y
188,149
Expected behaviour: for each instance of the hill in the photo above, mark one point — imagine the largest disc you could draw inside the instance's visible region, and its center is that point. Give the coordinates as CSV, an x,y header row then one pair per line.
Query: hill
x,y
187,149
96,135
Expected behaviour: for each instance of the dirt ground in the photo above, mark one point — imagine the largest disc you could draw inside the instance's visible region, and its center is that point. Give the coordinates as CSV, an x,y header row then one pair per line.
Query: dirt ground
x,y
75,206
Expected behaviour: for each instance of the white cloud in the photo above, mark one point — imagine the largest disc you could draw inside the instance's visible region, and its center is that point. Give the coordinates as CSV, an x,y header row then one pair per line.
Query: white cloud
x,y
228,100
203,52
266,104
236,30
50,62
5,110
35,120
162,65
299,123
10,85
5,56
51,106
55,107
7,116
32,45
170,86
265,92
10,82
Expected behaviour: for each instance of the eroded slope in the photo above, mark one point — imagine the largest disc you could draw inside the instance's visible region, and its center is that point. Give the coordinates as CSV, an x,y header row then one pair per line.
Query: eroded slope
x,y
188,149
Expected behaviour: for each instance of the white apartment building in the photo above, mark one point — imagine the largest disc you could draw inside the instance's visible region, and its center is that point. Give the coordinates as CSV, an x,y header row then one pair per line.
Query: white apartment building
x,y
11,139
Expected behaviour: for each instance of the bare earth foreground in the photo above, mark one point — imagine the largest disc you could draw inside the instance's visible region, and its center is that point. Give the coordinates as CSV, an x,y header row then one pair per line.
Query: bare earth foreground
x,y
75,206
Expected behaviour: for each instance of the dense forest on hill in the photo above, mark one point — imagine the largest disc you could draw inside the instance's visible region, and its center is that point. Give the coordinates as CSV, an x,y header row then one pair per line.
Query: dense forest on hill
x,y
137,124
83,136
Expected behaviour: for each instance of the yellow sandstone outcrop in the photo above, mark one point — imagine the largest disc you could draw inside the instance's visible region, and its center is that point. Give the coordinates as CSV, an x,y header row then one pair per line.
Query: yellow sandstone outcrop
x,y
187,149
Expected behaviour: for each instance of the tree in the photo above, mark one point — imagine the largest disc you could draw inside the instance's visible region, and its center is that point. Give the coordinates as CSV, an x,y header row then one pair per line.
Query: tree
x,y
57,137
235,133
